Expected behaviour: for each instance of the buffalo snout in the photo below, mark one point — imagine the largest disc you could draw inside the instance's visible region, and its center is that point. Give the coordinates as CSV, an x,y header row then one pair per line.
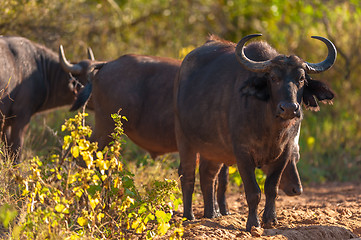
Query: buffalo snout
x,y
293,190
288,110
297,190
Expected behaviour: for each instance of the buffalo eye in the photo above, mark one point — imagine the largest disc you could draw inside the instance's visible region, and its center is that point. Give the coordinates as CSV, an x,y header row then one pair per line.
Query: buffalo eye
x,y
301,77
301,80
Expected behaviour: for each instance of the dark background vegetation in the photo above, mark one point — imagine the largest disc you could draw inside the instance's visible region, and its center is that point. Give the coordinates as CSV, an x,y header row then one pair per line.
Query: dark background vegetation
x,y
330,139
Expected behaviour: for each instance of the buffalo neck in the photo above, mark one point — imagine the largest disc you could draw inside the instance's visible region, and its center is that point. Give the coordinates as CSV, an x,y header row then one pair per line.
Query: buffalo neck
x,y
56,83
269,134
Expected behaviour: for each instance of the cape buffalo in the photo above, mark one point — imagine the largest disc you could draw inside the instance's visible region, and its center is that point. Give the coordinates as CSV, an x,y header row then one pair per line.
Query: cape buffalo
x,y
231,109
32,80
142,86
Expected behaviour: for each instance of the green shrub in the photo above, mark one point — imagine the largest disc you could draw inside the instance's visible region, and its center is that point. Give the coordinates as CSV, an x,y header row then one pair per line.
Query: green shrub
x,y
100,201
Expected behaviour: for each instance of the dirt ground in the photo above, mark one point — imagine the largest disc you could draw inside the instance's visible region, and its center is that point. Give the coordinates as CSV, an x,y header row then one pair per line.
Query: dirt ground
x,y
328,211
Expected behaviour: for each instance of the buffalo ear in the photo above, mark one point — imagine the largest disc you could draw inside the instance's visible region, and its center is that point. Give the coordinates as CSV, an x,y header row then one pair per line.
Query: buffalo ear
x,y
316,90
256,86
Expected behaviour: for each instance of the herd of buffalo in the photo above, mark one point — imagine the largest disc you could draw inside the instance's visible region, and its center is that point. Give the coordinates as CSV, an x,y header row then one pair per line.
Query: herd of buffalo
x,y
224,104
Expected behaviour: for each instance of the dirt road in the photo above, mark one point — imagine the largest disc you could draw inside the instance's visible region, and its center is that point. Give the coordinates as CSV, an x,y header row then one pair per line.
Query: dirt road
x,y
328,211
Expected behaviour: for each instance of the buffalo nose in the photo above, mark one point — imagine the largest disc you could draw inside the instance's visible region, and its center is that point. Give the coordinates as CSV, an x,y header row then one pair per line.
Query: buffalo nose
x,y
293,190
297,191
288,110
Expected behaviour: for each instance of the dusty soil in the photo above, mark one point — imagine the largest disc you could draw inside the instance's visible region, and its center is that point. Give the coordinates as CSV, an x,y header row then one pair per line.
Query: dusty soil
x,y
328,211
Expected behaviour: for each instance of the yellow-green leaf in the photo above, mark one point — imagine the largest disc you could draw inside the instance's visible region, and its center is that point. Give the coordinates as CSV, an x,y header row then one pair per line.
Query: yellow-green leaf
x,y
136,223
99,155
75,151
93,202
232,169
100,216
82,221
78,191
67,140
83,144
140,228
163,216
163,228
59,207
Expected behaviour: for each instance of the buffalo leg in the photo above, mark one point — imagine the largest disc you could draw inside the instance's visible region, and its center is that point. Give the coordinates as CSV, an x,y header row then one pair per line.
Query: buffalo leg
x,y
104,126
186,171
208,172
290,181
246,169
18,130
223,180
271,190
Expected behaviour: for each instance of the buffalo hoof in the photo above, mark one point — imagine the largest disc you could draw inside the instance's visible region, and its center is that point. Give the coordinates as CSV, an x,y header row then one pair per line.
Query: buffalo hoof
x,y
270,224
224,211
252,222
188,216
213,214
269,219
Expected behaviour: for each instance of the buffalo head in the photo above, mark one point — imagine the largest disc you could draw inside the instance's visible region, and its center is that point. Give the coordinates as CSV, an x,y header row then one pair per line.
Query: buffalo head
x,y
284,80
79,72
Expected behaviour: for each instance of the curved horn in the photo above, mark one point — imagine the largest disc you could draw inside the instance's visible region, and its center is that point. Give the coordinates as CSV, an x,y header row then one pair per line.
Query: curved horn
x,y
90,54
68,67
328,62
245,61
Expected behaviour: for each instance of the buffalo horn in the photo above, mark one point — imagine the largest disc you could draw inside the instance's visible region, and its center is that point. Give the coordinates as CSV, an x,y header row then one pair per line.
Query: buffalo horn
x,y
90,54
325,64
248,63
68,67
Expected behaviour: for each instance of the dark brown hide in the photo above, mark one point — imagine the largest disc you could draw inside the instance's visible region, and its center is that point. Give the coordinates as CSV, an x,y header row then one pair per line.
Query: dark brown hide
x,y
141,86
229,109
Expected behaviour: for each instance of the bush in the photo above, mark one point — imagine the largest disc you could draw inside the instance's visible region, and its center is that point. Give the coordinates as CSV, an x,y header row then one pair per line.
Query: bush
x,y
99,201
